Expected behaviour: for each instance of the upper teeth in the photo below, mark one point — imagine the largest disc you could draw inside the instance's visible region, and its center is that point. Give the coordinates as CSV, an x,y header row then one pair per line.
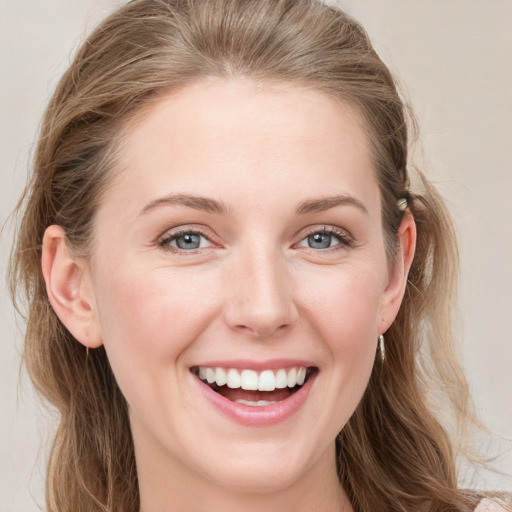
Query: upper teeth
x,y
250,380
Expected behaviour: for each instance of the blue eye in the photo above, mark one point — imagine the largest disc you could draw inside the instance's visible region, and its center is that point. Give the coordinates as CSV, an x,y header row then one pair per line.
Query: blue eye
x,y
188,241
185,241
325,239
320,241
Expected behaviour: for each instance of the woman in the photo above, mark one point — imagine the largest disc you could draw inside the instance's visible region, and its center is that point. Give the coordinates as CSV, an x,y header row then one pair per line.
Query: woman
x,y
230,277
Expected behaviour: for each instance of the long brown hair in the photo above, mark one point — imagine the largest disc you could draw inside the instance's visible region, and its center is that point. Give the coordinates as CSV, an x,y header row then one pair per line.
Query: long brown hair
x,y
393,455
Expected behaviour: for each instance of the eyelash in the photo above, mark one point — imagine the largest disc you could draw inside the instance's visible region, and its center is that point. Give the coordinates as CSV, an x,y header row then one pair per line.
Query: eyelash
x,y
165,241
344,239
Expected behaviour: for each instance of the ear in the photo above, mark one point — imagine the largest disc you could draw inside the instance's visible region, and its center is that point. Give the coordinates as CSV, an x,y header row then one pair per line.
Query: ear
x,y
69,288
397,281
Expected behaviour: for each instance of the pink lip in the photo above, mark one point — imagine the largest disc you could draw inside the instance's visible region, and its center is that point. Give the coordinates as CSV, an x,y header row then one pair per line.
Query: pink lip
x,y
257,416
249,364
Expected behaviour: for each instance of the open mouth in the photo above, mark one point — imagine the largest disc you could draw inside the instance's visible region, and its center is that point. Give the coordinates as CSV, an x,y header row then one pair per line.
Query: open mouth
x,y
252,388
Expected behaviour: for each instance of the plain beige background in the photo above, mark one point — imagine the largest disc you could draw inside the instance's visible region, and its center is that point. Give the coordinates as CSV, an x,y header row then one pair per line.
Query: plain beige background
x,y
454,58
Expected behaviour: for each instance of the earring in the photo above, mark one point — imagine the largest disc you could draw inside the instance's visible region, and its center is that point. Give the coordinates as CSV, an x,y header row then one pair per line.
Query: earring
x,y
382,348
402,204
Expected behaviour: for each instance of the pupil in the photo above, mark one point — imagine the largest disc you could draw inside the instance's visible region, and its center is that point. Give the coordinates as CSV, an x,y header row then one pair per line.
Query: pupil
x,y
189,241
319,241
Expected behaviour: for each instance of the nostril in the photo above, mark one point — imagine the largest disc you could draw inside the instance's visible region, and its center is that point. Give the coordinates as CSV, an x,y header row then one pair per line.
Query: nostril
x,y
261,331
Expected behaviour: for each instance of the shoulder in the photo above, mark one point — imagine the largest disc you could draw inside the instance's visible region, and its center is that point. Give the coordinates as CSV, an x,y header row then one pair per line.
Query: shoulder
x,y
490,505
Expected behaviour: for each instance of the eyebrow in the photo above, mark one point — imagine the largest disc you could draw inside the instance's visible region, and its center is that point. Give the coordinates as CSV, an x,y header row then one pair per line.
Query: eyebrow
x,y
191,201
326,203
213,206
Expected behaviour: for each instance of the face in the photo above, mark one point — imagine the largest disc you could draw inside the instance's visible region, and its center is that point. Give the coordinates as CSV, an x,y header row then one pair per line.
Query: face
x,y
240,244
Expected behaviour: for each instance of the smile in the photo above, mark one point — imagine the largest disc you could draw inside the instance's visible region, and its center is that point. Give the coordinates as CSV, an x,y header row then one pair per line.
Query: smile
x,y
256,397
250,380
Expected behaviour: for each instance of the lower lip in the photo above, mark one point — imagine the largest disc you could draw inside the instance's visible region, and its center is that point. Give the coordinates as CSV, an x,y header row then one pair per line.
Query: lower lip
x,y
254,416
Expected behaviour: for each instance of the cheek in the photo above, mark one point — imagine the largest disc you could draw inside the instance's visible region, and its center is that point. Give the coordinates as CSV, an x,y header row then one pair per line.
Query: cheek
x,y
345,306
148,320
344,309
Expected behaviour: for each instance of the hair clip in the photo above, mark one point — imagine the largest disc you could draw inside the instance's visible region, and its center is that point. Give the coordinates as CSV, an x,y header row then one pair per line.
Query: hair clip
x,y
402,204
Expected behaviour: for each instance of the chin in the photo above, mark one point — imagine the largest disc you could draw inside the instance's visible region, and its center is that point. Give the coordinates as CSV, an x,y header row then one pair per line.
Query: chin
x,y
268,477
267,469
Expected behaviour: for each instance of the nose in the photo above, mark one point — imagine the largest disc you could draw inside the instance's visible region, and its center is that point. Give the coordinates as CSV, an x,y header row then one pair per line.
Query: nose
x,y
260,295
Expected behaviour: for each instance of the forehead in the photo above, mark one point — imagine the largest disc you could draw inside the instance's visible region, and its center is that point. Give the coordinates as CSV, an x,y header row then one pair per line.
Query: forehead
x,y
238,138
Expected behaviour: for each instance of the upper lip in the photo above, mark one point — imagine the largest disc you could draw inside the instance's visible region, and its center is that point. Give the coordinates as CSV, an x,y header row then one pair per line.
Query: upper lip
x,y
251,364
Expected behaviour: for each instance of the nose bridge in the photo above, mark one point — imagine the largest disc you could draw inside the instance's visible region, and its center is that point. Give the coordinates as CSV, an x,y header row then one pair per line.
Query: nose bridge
x,y
261,292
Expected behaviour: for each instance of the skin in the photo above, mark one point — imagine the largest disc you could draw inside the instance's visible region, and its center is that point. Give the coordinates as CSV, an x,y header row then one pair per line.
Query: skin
x,y
254,289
